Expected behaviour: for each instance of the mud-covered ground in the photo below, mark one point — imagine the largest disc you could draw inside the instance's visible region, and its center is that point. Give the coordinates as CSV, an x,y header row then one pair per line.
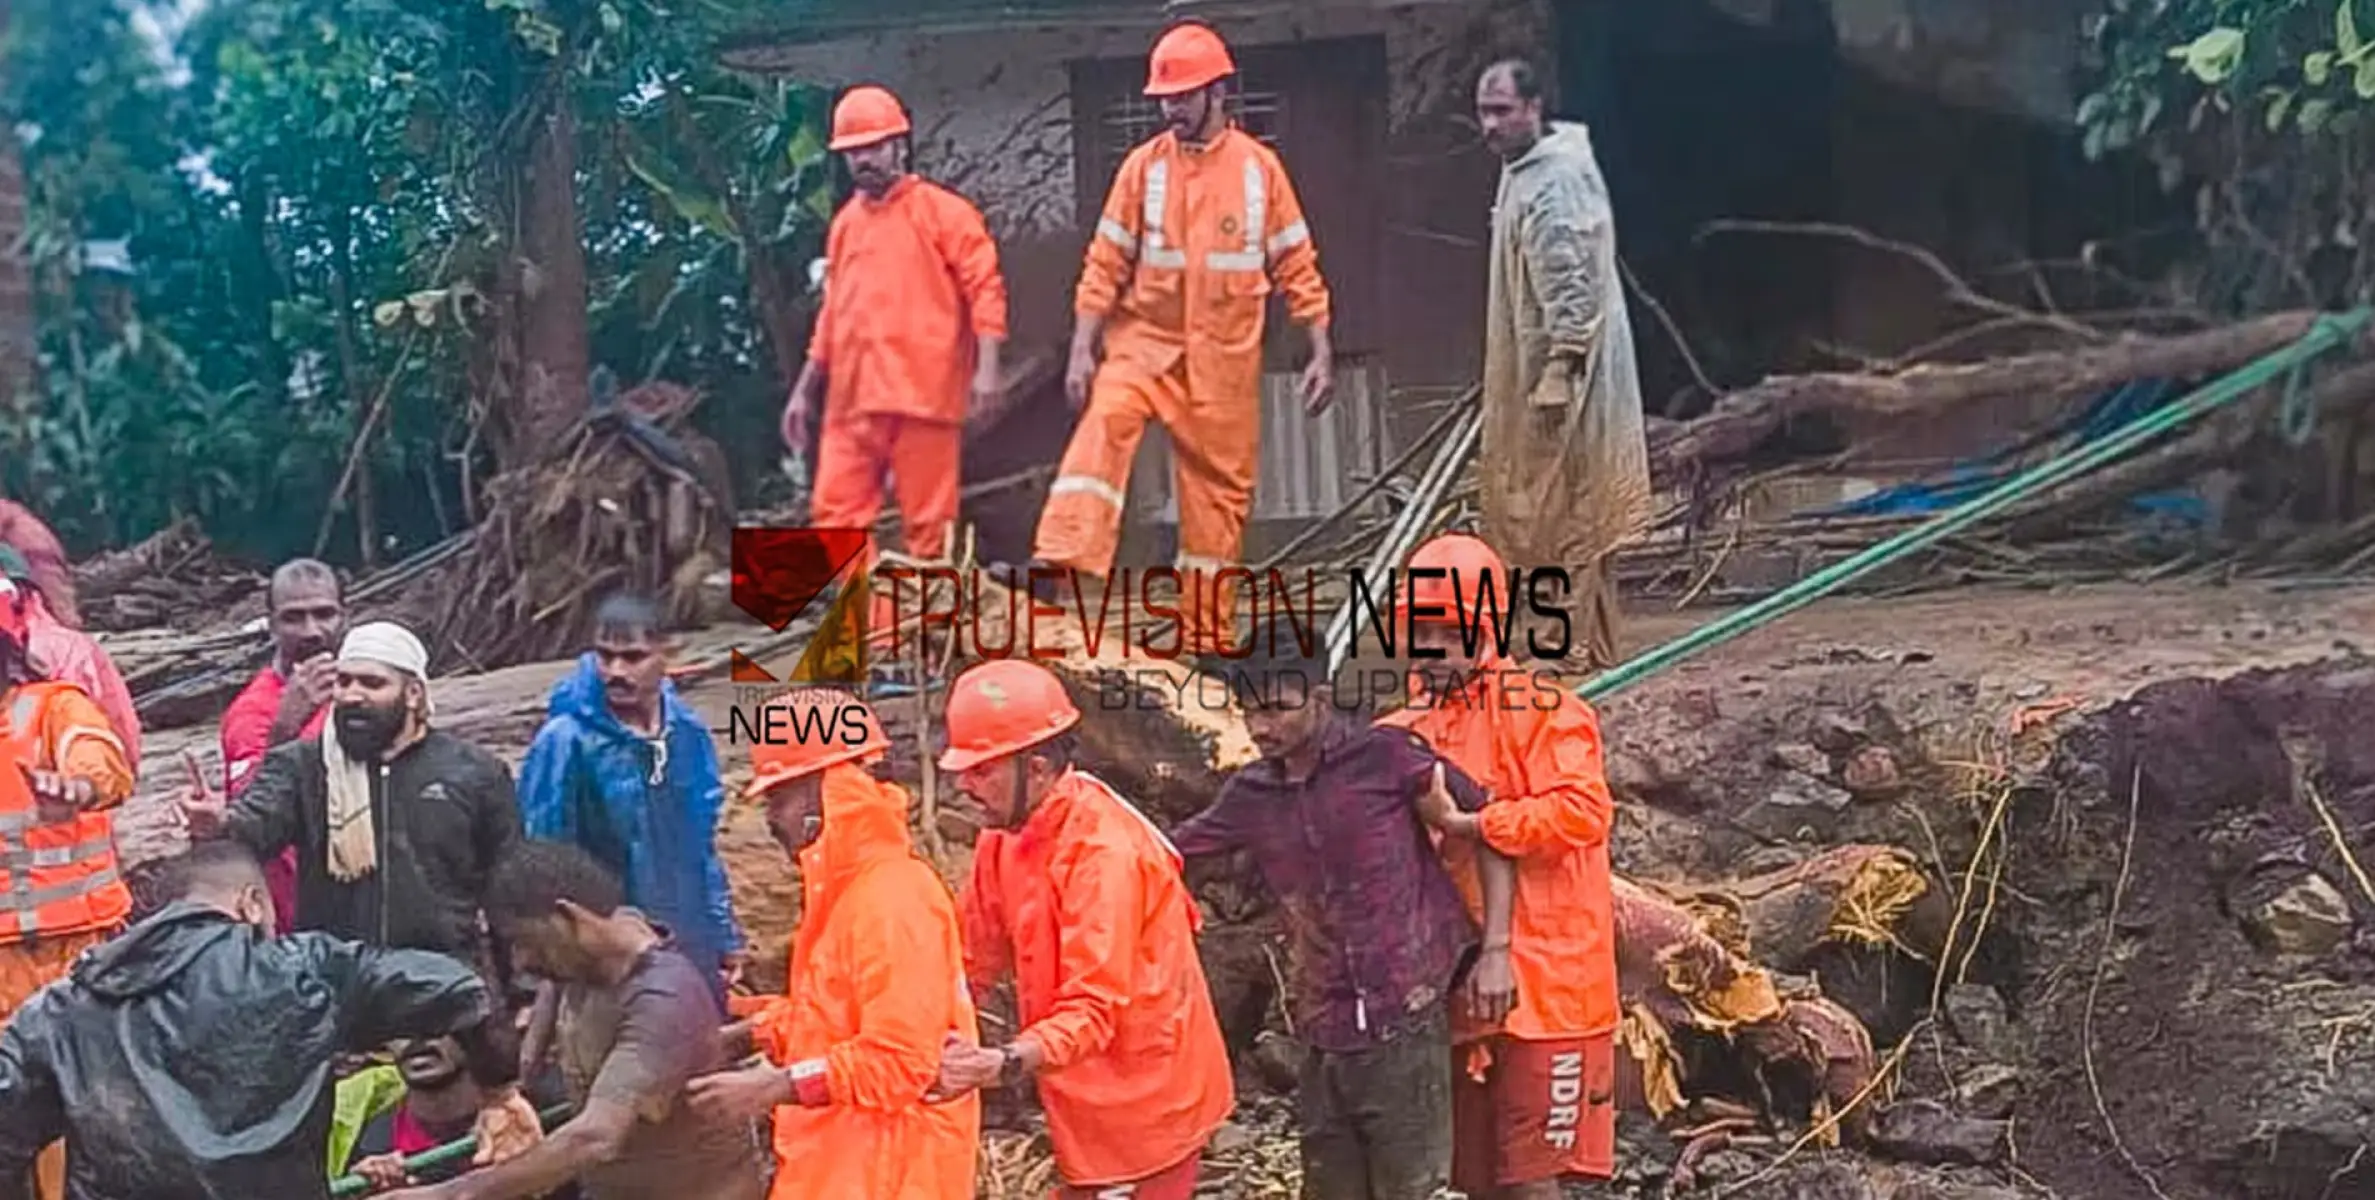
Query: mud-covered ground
x,y
2215,1037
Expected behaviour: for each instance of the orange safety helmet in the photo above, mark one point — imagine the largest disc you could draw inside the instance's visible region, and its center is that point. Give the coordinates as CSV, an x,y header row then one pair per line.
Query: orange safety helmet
x,y
1188,57
1002,707
1465,560
866,115
819,720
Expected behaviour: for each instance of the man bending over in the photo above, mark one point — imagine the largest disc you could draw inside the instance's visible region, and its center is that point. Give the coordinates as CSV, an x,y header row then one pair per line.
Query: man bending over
x,y
636,1021
189,1058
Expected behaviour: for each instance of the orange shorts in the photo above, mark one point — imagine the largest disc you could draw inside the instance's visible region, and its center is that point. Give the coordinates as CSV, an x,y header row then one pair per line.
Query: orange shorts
x,y
1172,1183
1543,1111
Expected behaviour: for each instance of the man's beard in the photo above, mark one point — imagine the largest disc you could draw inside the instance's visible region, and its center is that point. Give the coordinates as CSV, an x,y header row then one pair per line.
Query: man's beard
x,y
365,732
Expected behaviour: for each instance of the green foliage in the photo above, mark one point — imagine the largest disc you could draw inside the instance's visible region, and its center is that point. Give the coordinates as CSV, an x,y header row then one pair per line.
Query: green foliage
x,y
2259,109
315,206
2298,66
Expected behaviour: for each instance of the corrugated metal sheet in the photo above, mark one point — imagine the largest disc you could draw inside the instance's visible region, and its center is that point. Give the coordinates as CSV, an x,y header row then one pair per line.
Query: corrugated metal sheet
x,y
1309,467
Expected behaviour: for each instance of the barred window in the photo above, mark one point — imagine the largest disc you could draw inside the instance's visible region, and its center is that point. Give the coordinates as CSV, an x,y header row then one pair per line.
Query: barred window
x,y
1129,120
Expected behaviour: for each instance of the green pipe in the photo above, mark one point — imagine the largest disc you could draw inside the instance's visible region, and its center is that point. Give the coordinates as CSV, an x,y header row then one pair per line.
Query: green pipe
x,y
429,1160
2329,332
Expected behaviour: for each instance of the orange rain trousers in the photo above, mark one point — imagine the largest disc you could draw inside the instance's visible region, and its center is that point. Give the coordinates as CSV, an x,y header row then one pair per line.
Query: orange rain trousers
x,y
1535,748
1086,906
1181,266
1215,477
877,984
924,460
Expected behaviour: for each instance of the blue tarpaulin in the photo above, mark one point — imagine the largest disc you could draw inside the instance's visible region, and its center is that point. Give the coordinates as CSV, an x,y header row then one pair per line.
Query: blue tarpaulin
x,y
2101,417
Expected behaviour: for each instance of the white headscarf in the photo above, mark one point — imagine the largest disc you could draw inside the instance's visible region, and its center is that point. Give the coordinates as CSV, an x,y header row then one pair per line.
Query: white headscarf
x,y
354,840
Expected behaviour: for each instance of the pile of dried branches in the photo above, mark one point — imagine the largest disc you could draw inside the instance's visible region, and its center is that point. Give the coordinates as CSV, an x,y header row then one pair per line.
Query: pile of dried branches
x,y
619,506
170,577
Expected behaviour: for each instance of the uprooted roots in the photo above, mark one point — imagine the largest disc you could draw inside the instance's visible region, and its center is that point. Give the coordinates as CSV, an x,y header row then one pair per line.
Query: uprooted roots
x,y
607,514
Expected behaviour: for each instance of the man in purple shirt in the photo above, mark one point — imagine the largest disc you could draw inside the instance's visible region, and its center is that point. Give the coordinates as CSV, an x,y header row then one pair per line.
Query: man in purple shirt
x,y
1378,936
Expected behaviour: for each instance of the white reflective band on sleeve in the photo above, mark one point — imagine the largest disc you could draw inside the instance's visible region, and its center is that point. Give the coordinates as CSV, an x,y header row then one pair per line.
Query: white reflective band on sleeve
x,y
1112,231
1197,562
1159,252
77,733
1090,484
1290,237
1257,216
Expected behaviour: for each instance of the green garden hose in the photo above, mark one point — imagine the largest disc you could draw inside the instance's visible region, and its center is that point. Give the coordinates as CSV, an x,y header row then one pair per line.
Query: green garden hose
x,y
429,1160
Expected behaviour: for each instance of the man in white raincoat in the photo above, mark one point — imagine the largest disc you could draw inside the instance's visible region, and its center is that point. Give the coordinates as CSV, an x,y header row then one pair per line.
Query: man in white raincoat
x,y
1566,460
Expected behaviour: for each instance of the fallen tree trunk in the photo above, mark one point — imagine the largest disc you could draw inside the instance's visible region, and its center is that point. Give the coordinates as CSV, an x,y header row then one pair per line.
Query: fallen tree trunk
x,y
1743,420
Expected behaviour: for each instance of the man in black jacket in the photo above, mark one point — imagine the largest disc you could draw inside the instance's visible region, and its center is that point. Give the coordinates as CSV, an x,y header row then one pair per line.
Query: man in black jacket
x,y
189,1058
396,825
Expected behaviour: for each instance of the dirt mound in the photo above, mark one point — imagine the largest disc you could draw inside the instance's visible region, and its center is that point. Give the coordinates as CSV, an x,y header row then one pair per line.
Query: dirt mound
x,y
2240,951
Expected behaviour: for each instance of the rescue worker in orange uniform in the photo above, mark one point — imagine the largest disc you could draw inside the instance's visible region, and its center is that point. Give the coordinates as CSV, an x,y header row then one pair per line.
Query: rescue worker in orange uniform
x,y
1533,1097
1079,895
63,893
1199,223
905,350
877,984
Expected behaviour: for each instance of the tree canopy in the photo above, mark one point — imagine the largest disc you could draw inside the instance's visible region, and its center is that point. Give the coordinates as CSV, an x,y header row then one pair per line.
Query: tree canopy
x,y
259,235
2262,107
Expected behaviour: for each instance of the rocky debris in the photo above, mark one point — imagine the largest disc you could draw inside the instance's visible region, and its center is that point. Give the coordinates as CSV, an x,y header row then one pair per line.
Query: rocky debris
x,y
1976,1013
1803,757
1838,734
1791,801
1871,773
1925,1131
1990,1091
2308,916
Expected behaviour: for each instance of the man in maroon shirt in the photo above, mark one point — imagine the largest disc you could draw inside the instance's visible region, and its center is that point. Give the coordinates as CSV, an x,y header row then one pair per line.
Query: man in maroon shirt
x,y
1378,935
290,698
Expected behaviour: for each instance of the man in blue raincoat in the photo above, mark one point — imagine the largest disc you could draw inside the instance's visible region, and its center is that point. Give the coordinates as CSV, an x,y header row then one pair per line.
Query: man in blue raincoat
x,y
625,769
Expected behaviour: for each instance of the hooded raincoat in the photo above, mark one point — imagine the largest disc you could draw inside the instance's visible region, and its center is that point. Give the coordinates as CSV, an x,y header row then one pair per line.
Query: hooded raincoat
x,y
646,807
877,984
189,1059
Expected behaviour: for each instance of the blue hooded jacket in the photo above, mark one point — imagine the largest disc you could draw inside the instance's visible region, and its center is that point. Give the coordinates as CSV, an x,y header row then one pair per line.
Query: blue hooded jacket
x,y
589,780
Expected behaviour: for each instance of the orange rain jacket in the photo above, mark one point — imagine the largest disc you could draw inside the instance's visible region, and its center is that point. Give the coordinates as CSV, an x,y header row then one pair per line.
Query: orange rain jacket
x,y
1086,905
877,984
1550,811
1182,261
911,280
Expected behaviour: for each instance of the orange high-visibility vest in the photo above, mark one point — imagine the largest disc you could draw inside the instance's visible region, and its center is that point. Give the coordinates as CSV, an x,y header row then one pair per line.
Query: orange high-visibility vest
x,y
59,878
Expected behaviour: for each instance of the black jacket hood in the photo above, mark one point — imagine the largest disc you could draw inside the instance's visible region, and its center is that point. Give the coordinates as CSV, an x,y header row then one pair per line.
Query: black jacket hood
x,y
156,951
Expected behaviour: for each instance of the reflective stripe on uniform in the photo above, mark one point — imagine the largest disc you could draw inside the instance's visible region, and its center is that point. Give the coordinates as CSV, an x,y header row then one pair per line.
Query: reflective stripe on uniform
x,y
27,902
1257,216
1159,251
1290,237
1112,231
1088,484
77,733
1197,562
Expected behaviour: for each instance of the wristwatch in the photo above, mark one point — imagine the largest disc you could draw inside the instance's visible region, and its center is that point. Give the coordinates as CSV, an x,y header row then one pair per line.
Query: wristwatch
x,y
1010,1067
